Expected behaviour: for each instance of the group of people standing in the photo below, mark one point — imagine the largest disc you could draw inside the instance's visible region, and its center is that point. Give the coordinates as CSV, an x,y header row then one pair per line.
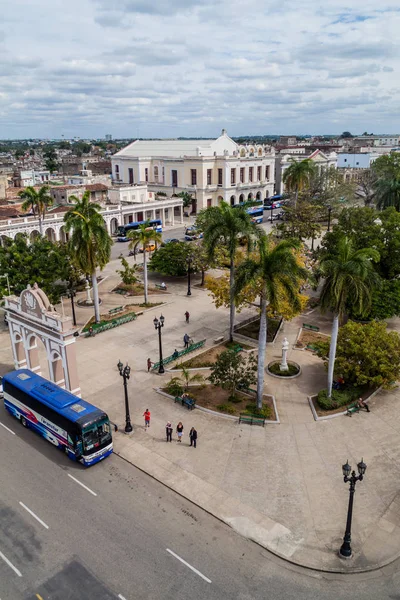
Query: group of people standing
x,y
179,433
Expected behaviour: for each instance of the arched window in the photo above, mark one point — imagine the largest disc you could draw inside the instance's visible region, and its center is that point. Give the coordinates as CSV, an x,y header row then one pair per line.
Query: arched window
x,y
250,196
241,198
258,196
156,174
242,152
260,152
233,199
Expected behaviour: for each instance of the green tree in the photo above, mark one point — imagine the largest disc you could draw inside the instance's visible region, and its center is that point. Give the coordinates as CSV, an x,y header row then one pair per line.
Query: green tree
x,y
171,259
128,273
385,301
387,166
276,268
349,279
300,222
366,184
49,264
346,134
232,372
143,237
298,175
38,201
50,162
187,198
387,192
225,225
368,355
90,242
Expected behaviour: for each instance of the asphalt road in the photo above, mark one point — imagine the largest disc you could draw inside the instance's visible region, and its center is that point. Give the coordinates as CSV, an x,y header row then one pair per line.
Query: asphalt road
x,y
126,536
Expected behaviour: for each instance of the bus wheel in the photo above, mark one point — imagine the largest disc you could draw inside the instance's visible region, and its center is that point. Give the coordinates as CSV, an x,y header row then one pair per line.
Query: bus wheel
x,y
23,422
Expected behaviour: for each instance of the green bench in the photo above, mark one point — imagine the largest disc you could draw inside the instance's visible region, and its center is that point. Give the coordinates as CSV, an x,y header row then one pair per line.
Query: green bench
x,y
237,348
114,311
310,327
251,419
160,287
189,402
171,358
312,347
355,408
111,324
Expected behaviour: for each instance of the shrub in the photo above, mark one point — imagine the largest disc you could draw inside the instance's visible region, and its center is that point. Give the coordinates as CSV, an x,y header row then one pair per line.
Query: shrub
x,y
174,387
226,408
339,398
265,411
275,369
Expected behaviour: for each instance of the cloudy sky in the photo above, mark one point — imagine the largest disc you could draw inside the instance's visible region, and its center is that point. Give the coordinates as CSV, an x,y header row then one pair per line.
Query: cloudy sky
x,y
168,68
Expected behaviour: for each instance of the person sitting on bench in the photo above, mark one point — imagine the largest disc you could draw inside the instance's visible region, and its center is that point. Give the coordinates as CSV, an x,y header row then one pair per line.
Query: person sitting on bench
x,y
362,404
175,354
163,286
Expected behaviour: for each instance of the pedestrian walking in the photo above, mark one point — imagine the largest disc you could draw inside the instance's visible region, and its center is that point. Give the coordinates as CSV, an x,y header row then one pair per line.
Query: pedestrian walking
x,y
168,431
149,363
179,431
146,415
187,315
186,340
193,437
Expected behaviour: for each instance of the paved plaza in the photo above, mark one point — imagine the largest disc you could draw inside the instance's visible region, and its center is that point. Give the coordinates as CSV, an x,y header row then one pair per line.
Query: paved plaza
x,y
281,485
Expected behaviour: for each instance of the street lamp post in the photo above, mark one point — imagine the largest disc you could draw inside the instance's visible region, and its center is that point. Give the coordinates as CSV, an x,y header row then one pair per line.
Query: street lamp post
x,y
125,374
345,550
71,294
189,262
329,217
159,324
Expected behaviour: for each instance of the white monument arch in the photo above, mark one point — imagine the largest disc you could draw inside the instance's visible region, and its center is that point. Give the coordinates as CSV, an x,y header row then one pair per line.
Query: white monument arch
x,y
31,317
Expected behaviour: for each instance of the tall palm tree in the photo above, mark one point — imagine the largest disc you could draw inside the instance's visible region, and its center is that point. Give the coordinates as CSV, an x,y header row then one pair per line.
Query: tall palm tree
x,y
90,242
349,277
225,224
298,175
275,269
387,192
38,201
143,236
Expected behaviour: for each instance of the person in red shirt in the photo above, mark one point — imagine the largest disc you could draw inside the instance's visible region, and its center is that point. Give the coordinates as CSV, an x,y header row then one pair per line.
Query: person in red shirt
x,y
146,415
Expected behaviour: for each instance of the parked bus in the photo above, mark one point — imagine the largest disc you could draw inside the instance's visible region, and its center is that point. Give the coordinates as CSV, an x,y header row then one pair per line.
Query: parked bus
x,y
255,208
79,428
124,229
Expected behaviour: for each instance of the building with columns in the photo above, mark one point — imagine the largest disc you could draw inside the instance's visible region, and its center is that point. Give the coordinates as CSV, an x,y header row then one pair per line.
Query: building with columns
x,y
210,170
322,160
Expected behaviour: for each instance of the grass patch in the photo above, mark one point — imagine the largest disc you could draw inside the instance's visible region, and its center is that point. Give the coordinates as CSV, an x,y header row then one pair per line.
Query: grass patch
x,y
275,369
208,358
340,399
311,337
251,330
215,398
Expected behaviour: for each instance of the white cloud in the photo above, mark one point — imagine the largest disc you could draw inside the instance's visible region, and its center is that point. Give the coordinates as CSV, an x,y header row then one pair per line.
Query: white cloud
x,y
190,67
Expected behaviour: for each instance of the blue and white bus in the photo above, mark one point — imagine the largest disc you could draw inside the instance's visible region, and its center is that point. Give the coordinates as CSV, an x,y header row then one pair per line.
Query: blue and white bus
x,y
123,230
254,208
79,428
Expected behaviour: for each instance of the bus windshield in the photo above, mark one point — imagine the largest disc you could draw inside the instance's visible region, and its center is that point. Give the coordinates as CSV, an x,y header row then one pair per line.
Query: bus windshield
x,y
96,436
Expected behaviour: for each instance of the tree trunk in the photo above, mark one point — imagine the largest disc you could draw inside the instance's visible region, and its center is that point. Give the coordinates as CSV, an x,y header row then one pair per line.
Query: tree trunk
x,y
96,297
296,197
232,301
40,225
332,352
202,277
146,299
262,345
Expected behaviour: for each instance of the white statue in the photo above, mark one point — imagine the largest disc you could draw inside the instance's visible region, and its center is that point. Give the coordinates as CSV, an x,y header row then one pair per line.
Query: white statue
x,y
87,289
285,347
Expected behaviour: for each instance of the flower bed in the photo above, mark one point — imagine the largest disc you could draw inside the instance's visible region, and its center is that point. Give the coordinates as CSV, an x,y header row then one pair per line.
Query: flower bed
x,y
293,369
251,330
208,358
339,401
136,289
311,337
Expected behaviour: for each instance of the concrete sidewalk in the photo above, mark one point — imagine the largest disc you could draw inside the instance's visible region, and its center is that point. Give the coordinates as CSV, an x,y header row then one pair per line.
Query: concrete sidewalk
x,y
281,486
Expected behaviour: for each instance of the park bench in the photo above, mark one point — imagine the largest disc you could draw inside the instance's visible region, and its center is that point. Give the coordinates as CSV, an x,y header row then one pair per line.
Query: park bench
x,y
237,348
160,287
114,311
312,347
310,327
171,358
353,408
251,419
189,402
219,340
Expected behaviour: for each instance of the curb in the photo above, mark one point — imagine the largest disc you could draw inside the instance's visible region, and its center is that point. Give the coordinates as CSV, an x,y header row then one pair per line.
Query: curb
x,y
340,414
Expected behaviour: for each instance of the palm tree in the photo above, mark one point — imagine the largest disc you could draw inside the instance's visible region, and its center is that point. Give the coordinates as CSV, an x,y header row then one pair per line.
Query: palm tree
x,y
143,236
90,242
38,201
387,192
349,277
225,225
275,269
298,175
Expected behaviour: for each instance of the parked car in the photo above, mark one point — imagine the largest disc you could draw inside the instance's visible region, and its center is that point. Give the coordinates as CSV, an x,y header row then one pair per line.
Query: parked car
x,y
171,241
133,252
275,216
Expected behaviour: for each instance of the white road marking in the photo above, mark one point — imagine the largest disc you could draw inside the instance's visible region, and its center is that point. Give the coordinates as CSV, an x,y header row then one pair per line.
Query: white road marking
x,y
121,596
83,485
9,563
190,566
34,516
5,427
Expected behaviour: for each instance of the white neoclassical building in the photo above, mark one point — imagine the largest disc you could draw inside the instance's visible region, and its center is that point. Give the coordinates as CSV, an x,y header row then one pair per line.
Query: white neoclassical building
x,y
211,170
322,160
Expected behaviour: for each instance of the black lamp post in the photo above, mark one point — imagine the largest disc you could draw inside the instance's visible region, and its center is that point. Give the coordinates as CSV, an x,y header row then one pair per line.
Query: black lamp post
x,y
125,373
345,550
329,217
159,324
71,294
189,262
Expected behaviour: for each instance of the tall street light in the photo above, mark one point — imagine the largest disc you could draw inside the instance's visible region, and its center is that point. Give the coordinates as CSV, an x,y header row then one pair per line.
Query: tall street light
x,y
125,373
329,217
159,324
345,550
189,262
71,294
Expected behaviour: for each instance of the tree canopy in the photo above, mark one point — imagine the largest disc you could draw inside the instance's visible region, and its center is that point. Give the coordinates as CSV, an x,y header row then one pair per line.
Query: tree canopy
x,y
172,259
